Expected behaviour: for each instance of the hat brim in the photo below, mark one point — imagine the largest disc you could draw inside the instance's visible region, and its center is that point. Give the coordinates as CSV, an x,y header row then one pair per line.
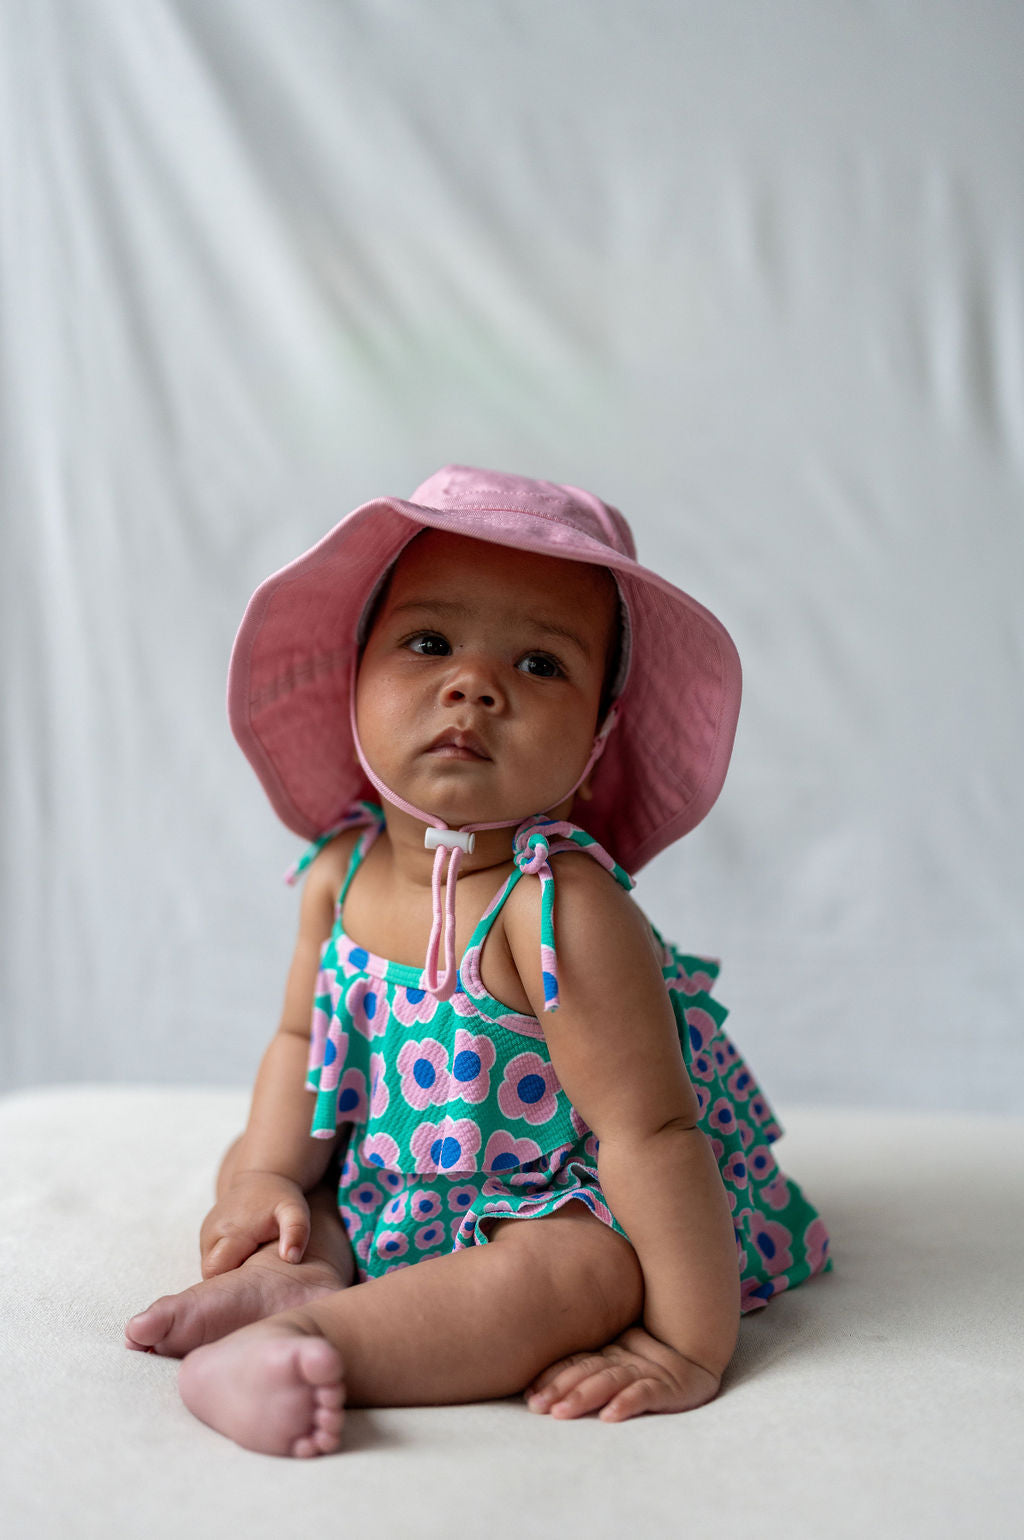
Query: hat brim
x,y
291,668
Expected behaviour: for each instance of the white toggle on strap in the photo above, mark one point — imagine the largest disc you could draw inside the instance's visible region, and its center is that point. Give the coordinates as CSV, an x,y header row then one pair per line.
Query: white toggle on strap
x,y
451,839
449,846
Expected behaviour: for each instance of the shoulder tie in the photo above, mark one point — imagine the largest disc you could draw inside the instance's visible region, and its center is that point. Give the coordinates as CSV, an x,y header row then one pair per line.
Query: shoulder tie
x,y
535,842
356,816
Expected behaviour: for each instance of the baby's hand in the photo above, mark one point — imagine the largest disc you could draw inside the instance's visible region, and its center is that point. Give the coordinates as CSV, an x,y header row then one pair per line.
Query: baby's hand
x,y
634,1374
258,1206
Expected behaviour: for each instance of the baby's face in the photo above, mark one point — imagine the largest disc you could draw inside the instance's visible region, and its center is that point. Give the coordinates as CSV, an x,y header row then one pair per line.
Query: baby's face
x,y
479,686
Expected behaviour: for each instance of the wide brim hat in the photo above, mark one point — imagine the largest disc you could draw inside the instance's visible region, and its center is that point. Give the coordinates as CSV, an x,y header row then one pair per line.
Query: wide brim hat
x,y
293,660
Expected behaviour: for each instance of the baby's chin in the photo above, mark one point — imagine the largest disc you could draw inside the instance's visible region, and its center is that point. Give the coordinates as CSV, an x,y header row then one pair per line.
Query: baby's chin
x,y
451,798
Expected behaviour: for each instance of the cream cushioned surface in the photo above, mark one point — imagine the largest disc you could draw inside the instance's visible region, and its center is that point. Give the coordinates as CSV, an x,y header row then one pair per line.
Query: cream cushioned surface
x,y
884,1399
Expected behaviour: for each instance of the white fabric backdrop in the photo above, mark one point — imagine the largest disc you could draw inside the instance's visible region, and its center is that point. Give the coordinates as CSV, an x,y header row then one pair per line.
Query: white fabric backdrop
x,y
751,272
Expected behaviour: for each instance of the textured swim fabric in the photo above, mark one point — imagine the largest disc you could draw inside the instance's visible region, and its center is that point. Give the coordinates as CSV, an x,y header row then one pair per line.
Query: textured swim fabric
x,y
458,1118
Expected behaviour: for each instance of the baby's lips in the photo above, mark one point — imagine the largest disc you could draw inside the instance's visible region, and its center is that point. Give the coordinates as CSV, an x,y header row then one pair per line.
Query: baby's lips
x,y
456,738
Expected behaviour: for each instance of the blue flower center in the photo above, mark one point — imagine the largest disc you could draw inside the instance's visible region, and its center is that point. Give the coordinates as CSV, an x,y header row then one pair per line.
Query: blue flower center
x,y
424,1073
466,1066
445,1152
531,1088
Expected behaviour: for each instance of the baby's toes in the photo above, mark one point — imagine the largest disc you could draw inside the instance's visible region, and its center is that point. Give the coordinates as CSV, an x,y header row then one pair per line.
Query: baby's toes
x,y
327,1422
320,1366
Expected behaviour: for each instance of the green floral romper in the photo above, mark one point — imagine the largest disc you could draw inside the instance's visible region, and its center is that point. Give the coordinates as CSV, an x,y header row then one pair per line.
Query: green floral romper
x,y
457,1116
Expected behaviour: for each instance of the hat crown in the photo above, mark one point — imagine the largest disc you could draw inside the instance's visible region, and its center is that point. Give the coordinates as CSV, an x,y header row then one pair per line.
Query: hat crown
x,y
457,487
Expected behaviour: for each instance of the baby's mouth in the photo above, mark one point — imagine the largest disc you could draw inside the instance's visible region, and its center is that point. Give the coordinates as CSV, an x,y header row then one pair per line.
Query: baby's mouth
x,y
455,744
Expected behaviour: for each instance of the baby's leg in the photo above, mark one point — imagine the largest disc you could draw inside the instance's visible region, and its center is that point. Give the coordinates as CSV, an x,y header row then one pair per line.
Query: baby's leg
x,y
264,1284
470,1326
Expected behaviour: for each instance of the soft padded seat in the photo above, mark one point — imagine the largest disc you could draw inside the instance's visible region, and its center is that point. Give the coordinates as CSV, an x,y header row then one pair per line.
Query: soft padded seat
x,y
884,1399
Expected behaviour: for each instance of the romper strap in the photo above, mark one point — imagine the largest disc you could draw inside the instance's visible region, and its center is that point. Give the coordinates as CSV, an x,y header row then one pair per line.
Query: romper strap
x,y
357,815
535,842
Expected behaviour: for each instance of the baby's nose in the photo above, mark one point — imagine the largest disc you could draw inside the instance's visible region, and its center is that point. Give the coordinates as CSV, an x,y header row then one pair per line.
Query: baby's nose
x,y
474,683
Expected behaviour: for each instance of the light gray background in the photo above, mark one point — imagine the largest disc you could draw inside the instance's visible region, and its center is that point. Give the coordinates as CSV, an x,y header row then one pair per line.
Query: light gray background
x,y
752,272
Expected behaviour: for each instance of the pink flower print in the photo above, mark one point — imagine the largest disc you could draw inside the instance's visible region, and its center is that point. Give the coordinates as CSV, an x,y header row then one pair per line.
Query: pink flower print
x,y
724,1053
352,1097
425,1205
428,1237
394,1209
349,1169
411,1006
366,1197
390,1244
735,1170
367,1006
772,1241
327,984
424,1069
472,1062
733,1200
334,1056
761,1163
463,1004
817,1242
741,1221
379,1093
449,1145
776,1193
494,1187
746,1133
717,1148
318,1036
464,1232
503,1152
702,1067
692,983
460,1198
722,1116
758,1109
529,1089
352,1221
362,1246
392,1180
591,1146
740,1083
579,1128
753,1294
703,1096
381,1150
700,1027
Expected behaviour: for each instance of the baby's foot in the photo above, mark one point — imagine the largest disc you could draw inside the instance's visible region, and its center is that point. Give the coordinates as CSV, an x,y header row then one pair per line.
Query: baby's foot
x,y
264,1285
271,1387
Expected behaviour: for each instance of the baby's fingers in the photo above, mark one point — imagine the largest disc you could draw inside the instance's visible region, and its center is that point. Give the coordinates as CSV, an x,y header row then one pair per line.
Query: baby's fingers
x,y
227,1252
292,1217
653,1395
579,1386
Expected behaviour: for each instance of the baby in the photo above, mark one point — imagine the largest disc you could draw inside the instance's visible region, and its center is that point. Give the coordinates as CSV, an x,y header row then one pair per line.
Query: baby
x,y
538,1164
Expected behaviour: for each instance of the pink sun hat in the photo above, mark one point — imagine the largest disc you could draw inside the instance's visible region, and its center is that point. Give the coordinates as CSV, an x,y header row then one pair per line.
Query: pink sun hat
x,y
292,663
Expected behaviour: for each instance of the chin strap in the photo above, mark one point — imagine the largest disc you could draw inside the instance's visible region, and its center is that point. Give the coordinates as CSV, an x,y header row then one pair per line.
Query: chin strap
x,y
449,846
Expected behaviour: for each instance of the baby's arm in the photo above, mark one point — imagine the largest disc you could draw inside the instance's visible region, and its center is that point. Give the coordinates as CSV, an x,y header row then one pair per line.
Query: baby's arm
x,y
276,1162
615,1049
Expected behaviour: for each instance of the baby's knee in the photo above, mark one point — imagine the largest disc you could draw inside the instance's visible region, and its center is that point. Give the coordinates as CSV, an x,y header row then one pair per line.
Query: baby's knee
x,y
581,1264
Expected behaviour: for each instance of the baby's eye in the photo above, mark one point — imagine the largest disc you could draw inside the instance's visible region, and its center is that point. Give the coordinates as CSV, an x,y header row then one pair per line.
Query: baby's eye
x,y
541,665
429,644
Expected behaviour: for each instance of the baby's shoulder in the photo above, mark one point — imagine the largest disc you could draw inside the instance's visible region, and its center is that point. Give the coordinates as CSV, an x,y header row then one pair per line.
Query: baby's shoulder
x,y
329,867
588,900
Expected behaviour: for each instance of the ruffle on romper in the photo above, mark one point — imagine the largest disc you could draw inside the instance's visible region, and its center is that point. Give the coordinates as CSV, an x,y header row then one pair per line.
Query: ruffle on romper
x,y
458,1118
